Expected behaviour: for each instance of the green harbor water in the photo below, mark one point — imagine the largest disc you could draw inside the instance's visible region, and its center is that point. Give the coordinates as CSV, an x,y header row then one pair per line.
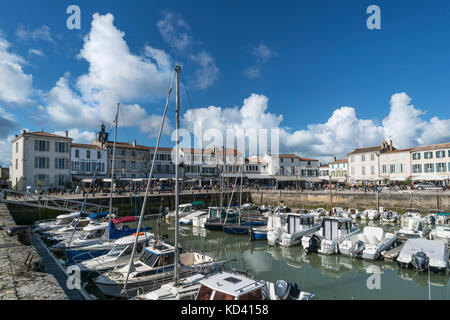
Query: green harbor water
x,y
328,277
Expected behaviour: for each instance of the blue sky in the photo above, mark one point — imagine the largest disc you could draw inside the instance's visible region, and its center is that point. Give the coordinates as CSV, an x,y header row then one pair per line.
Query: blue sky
x,y
311,68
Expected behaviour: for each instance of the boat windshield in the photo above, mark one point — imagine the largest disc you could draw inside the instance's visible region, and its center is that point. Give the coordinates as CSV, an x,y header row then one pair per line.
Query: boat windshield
x,y
116,250
149,258
88,235
411,224
184,209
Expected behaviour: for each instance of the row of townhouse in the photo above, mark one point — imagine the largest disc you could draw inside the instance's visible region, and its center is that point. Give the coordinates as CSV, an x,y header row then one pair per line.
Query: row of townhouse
x,y
385,162
42,160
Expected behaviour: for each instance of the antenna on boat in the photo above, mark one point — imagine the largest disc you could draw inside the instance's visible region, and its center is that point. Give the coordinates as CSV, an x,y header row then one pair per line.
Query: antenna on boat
x,y
112,169
144,203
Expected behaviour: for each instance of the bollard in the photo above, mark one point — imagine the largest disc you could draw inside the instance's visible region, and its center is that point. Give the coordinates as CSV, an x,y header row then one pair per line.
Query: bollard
x,y
23,233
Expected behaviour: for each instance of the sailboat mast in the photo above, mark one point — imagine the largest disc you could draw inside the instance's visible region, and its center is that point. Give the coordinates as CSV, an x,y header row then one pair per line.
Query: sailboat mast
x,y
331,197
113,166
177,139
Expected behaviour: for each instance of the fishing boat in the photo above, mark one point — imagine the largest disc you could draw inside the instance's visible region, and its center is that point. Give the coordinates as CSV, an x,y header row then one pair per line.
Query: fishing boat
x,y
217,217
441,232
333,231
118,256
188,219
354,213
421,254
367,244
233,286
63,220
241,228
412,226
154,268
187,209
287,230
389,217
370,214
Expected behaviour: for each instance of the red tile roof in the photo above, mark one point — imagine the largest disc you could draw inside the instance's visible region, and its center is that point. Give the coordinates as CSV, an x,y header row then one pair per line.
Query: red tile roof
x,y
432,147
46,134
339,161
83,145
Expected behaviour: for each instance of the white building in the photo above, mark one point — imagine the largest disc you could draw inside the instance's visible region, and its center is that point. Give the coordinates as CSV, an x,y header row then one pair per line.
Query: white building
x,y
324,172
431,163
338,170
40,160
395,165
88,159
364,165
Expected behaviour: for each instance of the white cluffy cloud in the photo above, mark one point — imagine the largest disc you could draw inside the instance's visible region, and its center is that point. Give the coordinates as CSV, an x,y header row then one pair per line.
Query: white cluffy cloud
x,y
36,52
175,31
79,136
15,84
262,53
115,74
338,136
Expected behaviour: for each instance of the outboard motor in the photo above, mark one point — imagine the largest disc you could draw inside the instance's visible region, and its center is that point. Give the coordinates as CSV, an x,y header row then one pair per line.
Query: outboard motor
x,y
314,243
23,233
295,290
432,219
358,248
420,261
282,289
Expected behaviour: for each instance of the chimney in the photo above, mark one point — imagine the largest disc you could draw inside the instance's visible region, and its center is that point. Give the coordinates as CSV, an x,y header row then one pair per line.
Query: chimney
x,y
24,131
390,146
134,143
334,159
67,134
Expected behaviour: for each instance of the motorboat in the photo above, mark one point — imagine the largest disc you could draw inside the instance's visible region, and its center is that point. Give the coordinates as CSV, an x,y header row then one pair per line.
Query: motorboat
x,y
233,286
288,229
186,209
370,214
259,233
188,220
441,232
187,289
118,256
217,217
153,269
421,254
354,213
389,216
64,233
338,212
94,241
367,244
241,228
443,218
412,227
63,220
333,231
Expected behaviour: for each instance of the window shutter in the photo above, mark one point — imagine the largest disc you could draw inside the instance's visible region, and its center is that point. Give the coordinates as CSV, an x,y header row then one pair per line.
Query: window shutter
x,y
56,163
47,163
36,146
67,163
36,162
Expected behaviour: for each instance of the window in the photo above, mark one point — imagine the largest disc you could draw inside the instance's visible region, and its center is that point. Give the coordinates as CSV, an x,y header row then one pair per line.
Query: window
x,y
41,162
372,169
76,166
61,147
88,166
383,168
40,180
41,145
17,147
133,164
60,163
122,152
77,153
352,158
372,157
123,164
363,170
88,154
61,180
429,167
441,167
133,154
417,168
99,155
392,168
401,167
363,157
428,155
440,154
416,156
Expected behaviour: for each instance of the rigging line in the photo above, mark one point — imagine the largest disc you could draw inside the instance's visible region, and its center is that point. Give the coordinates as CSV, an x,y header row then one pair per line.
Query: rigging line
x,y
186,89
149,181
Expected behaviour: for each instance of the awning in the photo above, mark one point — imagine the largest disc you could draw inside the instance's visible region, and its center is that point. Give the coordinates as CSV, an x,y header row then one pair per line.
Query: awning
x,y
313,179
340,179
430,177
398,178
231,175
258,176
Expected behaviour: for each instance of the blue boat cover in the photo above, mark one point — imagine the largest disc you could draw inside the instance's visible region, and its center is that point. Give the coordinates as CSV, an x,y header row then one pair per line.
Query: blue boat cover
x,y
115,233
97,215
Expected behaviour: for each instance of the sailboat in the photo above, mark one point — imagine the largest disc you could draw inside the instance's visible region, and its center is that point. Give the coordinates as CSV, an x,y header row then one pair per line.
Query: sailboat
x,y
160,262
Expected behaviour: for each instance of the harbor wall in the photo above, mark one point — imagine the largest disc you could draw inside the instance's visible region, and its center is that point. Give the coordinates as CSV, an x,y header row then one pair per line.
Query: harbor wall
x,y
22,272
423,201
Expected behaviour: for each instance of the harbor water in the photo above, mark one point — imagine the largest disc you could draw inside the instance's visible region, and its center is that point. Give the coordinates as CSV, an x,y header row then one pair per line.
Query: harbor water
x,y
328,277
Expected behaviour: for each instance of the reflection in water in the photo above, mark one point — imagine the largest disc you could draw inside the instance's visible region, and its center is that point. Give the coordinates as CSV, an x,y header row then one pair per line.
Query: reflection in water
x,y
327,277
